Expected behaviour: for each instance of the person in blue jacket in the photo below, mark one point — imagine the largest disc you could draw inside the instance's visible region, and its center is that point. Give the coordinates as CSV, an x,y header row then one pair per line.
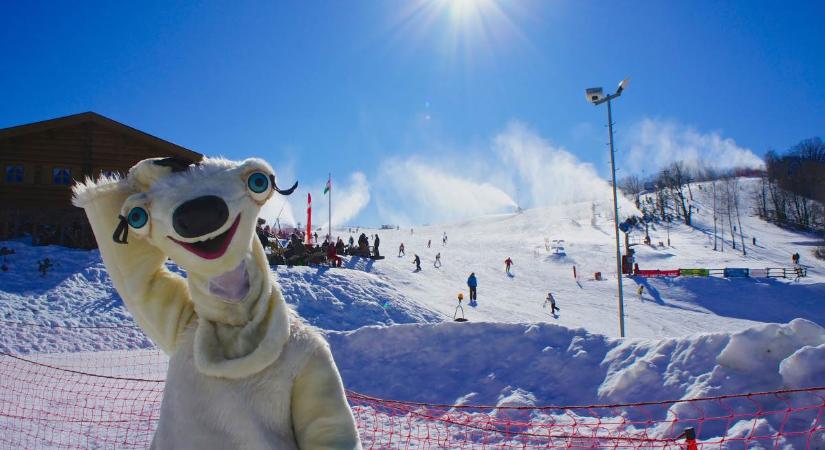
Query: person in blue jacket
x,y
472,283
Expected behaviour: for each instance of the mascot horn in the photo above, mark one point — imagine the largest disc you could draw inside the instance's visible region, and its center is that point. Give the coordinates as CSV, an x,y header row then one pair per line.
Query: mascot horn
x,y
244,372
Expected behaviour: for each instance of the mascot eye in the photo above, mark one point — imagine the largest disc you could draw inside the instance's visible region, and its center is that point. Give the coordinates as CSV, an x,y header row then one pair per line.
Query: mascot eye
x,y
258,182
137,217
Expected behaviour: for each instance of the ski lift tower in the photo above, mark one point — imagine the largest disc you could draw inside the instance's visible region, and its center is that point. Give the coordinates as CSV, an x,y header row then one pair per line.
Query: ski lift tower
x,y
596,97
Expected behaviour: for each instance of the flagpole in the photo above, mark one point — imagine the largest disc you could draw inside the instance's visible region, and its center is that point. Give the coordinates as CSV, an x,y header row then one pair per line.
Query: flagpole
x,y
329,183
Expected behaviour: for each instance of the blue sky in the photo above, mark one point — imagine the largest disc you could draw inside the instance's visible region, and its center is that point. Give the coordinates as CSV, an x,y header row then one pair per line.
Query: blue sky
x,y
475,97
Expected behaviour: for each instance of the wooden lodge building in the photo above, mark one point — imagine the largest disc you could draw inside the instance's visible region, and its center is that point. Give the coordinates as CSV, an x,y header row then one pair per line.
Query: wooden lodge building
x,y
40,161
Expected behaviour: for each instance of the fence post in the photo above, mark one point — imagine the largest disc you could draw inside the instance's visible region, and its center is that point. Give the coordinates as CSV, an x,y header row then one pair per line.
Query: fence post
x,y
690,439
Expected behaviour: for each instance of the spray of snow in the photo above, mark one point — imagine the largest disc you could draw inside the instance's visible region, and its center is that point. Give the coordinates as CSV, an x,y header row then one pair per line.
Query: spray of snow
x,y
278,208
433,193
350,198
552,175
655,143
528,171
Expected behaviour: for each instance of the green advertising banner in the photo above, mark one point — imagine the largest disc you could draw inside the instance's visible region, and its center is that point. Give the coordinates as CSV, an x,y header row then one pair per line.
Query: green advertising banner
x,y
694,272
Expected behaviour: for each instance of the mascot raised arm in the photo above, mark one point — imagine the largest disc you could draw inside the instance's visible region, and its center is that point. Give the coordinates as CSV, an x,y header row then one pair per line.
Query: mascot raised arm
x,y
243,372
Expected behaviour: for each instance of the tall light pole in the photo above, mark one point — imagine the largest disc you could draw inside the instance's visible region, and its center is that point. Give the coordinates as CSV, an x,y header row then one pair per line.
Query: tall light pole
x,y
596,96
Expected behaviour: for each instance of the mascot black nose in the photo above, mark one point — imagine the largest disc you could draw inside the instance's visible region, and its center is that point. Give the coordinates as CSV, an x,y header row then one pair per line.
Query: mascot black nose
x,y
200,216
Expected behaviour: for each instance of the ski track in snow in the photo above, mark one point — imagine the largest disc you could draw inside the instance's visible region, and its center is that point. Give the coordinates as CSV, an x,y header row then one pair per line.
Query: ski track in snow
x,y
688,336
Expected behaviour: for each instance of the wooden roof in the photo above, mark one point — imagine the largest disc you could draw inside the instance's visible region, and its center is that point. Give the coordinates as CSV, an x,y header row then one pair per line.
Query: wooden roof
x,y
103,121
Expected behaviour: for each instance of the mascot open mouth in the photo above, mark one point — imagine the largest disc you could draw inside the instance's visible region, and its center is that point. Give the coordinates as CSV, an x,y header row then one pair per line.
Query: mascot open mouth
x,y
212,248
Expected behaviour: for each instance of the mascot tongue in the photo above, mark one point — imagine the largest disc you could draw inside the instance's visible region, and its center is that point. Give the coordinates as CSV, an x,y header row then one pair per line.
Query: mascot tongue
x,y
231,286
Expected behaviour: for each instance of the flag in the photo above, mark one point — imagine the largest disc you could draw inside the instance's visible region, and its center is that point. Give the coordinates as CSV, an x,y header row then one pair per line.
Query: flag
x,y
329,186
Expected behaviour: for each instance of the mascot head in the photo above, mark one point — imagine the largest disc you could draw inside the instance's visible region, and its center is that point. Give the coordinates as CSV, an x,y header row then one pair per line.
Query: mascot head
x,y
201,215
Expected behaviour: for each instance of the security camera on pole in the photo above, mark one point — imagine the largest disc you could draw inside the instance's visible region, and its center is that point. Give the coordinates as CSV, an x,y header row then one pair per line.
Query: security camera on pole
x,y
596,96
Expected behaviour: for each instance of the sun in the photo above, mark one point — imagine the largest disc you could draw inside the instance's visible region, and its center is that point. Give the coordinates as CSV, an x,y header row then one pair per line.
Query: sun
x,y
464,32
468,13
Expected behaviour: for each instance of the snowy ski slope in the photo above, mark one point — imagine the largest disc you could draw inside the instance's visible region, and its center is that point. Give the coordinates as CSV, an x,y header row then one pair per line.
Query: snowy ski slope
x,y
668,308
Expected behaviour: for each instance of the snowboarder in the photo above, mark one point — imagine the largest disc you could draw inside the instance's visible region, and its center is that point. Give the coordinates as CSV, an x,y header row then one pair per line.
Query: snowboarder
x,y
401,250
472,283
552,301
640,291
507,263
437,262
417,262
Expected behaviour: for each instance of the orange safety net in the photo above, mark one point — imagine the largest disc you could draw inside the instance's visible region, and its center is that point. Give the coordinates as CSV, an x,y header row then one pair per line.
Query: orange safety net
x,y
93,398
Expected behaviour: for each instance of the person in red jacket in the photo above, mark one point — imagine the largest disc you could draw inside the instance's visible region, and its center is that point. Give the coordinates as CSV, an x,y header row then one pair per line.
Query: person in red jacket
x,y
507,263
332,256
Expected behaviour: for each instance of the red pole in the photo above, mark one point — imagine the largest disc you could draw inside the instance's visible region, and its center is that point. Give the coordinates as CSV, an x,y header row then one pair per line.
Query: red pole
x,y
309,218
690,439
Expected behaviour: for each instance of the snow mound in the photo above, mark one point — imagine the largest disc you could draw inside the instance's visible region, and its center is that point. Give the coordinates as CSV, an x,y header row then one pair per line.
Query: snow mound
x,y
343,299
521,364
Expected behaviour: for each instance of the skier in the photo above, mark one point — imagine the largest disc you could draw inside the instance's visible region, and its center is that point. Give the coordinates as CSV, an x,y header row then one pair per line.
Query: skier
x,y
795,258
429,242
401,250
640,291
437,262
444,239
351,242
552,300
472,283
507,263
417,262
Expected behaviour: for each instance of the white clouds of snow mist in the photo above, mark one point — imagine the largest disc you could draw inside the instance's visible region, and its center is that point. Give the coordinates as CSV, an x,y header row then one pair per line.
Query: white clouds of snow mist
x,y
551,175
652,144
348,199
278,204
526,169
422,192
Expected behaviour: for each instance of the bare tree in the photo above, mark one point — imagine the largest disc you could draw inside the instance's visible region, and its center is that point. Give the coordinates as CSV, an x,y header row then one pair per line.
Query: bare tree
x,y
632,186
676,178
732,189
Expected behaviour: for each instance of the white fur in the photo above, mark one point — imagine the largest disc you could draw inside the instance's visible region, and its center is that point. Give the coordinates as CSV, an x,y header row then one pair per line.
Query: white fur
x,y
242,373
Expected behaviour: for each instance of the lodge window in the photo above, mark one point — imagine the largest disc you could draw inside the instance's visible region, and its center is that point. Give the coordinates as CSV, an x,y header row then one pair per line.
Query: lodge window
x,y
14,173
62,175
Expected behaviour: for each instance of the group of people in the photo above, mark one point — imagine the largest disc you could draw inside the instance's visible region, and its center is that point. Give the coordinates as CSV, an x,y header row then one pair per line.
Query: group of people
x,y
298,252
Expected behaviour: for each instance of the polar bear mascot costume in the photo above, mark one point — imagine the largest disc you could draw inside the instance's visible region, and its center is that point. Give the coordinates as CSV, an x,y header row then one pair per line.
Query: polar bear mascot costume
x,y
244,373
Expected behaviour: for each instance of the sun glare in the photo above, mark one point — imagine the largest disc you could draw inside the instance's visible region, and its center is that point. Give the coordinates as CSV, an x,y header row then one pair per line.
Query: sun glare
x,y
464,31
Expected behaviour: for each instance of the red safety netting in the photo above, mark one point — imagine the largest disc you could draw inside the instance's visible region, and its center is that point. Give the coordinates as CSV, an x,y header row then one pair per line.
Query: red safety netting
x,y
111,399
